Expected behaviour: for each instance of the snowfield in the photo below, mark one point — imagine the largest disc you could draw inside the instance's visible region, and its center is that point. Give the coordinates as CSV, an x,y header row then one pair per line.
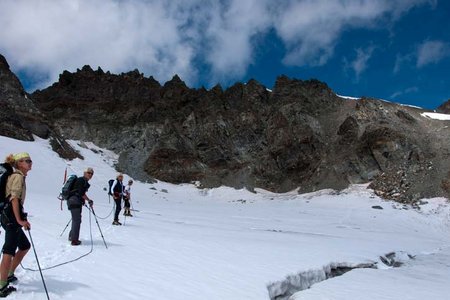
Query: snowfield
x,y
436,116
193,244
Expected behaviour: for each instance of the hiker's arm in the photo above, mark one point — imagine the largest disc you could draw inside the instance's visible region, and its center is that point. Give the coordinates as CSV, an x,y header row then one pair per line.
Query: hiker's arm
x,y
16,211
86,198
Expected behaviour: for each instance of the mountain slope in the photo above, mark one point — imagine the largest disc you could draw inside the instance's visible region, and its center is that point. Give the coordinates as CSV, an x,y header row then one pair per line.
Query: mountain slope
x,y
198,244
299,136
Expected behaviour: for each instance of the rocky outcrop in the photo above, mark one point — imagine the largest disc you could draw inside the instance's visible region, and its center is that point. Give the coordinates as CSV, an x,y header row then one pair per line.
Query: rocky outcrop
x,y
300,135
444,107
21,119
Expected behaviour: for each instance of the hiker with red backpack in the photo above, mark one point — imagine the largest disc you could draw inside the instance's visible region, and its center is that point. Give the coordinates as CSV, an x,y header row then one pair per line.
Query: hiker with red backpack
x,y
76,199
13,219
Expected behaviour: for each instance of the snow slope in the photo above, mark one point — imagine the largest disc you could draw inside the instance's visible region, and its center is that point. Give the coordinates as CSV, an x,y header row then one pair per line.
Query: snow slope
x,y
186,243
437,116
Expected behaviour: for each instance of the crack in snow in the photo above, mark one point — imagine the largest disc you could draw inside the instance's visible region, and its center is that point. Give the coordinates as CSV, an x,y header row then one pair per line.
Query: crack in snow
x,y
284,289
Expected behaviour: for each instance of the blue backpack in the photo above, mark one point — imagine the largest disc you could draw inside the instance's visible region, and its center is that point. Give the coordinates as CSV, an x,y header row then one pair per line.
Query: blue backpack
x,y
67,187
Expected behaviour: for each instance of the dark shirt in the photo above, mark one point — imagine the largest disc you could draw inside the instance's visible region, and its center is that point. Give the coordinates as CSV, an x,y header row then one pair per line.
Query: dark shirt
x,y
80,187
118,187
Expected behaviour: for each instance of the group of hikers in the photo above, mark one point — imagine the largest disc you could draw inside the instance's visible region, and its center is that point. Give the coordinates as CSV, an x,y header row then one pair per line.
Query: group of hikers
x,y
14,218
119,192
77,198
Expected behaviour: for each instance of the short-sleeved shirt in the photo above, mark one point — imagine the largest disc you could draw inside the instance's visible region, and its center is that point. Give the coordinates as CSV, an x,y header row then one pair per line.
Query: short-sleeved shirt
x,y
16,187
127,190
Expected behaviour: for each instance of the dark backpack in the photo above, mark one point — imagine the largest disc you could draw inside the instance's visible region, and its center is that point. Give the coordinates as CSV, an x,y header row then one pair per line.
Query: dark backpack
x,y
5,170
67,187
110,183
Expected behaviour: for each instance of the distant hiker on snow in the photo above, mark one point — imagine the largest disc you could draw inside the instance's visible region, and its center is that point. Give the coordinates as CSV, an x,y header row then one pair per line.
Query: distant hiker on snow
x,y
13,218
117,192
75,202
127,198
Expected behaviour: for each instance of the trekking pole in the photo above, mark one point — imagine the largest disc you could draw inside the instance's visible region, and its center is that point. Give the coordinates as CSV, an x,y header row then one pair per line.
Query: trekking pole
x,y
132,207
37,261
91,209
65,227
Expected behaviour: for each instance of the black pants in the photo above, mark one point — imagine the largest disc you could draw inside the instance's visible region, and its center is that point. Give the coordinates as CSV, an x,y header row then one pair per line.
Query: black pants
x,y
15,238
118,202
127,202
14,235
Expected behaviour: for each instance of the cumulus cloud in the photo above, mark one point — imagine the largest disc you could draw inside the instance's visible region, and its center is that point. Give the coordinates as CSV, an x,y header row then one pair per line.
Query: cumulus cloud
x,y
311,28
431,52
231,37
50,36
162,38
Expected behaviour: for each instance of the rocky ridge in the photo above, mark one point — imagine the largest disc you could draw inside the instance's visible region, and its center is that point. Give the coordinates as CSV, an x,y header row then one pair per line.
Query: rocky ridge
x,y
444,108
21,119
300,135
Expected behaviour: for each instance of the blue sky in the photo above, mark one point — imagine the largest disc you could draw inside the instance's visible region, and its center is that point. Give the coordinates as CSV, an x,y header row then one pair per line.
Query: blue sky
x,y
393,50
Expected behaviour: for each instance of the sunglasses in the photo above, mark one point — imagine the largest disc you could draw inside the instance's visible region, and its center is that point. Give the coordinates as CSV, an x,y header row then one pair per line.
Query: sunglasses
x,y
28,161
90,173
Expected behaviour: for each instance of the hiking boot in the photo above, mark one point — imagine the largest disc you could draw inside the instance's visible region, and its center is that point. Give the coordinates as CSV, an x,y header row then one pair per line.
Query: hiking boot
x,y
6,290
12,278
116,223
75,243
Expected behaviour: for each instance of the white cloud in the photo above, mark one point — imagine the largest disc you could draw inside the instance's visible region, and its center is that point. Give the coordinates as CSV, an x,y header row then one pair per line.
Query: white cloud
x,y
359,65
160,38
409,90
311,28
50,36
402,60
431,52
231,37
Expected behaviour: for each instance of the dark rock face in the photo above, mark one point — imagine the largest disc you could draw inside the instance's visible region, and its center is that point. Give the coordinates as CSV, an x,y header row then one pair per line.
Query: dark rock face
x,y
444,108
19,117
300,135
244,136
